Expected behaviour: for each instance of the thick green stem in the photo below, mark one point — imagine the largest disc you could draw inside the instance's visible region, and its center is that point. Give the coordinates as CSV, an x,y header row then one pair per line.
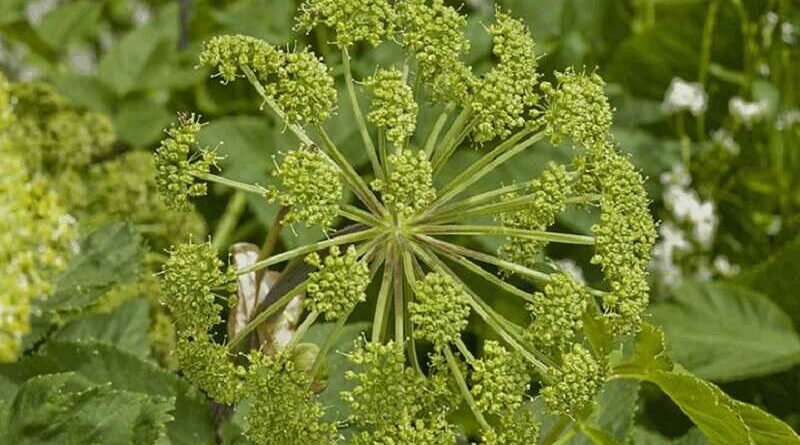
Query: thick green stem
x,y
556,430
361,123
705,59
490,277
399,304
442,151
360,216
462,348
433,137
408,272
265,314
382,305
294,128
519,203
303,250
540,235
273,233
353,179
452,363
310,319
251,188
229,219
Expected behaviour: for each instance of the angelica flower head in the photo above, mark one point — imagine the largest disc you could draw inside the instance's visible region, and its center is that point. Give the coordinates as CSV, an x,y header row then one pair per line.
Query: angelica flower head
x,y
353,21
500,379
577,108
338,285
440,311
409,186
518,427
682,95
310,186
575,383
180,163
229,55
557,312
393,107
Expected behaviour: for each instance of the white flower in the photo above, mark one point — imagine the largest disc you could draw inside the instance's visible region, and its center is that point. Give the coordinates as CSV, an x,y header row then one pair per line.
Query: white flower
x,y
141,15
36,10
772,18
705,223
682,95
677,176
787,119
724,139
83,61
747,112
788,34
775,225
724,267
571,268
763,69
671,240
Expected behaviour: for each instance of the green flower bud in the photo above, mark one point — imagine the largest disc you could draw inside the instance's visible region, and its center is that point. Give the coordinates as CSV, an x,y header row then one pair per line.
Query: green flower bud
x,y
433,431
575,384
339,284
434,33
557,312
310,186
208,366
179,161
500,379
577,108
353,21
548,196
284,410
409,187
228,54
190,278
504,94
305,89
440,310
393,107
515,428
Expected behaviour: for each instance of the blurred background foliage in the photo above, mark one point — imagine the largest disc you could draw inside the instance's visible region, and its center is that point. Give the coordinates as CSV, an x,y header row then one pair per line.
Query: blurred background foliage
x,y
724,177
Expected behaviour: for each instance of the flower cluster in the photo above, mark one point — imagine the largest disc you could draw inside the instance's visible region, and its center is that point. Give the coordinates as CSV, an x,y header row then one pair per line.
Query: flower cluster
x,y
557,312
440,311
577,109
500,379
393,107
309,185
338,285
179,163
575,382
548,195
409,186
356,21
298,82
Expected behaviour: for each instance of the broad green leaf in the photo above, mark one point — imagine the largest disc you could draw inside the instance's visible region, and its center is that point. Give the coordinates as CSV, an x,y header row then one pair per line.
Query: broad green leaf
x,y
68,22
723,332
271,21
140,122
103,364
613,417
108,256
783,291
122,67
642,436
127,327
57,409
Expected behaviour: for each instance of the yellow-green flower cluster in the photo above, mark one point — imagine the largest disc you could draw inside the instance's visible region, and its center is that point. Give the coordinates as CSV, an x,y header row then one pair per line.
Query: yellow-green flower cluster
x,y
412,416
209,367
409,186
625,236
283,410
299,83
548,195
500,379
37,237
577,109
339,284
179,162
56,136
505,93
515,428
353,21
394,109
575,383
557,312
124,188
434,34
440,310
310,186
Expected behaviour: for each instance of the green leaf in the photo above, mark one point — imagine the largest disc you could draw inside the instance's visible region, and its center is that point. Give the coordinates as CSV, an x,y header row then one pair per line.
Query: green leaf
x,y
66,409
122,67
69,22
642,436
108,256
783,291
127,327
271,21
613,417
102,364
723,332
141,121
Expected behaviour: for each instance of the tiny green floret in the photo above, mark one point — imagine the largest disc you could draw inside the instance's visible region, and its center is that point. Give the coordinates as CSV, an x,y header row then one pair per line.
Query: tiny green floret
x,y
557,312
409,187
353,21
577,109
440,310
228,54
305,89
310,186
179,162
500,379
518,427
393,107
208,366
339,284
575,383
